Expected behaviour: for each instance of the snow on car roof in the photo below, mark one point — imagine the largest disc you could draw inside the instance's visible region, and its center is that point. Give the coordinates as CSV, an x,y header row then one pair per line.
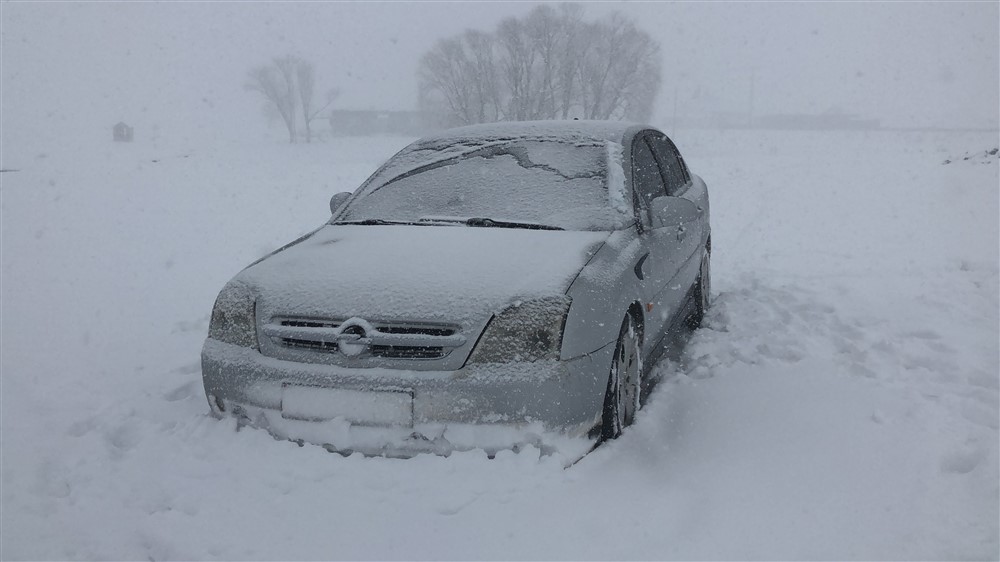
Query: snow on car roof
x,y
569,131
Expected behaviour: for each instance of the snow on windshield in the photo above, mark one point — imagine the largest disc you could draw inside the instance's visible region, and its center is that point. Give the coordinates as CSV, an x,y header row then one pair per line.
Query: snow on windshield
x,y
546,182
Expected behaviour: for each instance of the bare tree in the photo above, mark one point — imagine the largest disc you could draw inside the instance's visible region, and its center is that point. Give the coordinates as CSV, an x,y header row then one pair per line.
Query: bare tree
x,y
544,35
276,83
306,75
482,56
518,68
444,79
571,47
620,72
305,72
288,84
550,64
460,75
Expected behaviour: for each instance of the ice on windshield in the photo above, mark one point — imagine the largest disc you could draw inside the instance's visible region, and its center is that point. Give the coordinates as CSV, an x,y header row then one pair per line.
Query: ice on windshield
x,y
554,183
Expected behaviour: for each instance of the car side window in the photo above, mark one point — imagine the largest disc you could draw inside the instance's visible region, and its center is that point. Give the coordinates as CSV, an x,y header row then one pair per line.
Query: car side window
x,y
675,173
646,178
680,160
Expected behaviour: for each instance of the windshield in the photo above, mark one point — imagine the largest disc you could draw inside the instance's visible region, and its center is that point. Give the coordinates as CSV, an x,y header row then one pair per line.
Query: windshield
x,y
545,182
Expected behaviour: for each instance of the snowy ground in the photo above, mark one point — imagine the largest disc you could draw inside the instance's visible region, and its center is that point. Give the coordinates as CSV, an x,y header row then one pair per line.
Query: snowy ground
x,y
841,402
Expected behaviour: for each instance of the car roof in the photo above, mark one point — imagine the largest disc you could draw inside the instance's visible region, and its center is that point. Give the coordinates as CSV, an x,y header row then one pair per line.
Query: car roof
x,y
568,130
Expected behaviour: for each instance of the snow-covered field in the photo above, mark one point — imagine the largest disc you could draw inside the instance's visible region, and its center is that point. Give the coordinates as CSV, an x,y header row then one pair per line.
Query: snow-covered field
x,y
841,402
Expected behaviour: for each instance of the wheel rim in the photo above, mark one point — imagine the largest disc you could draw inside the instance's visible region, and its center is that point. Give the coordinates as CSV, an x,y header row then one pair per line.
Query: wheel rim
x,y
626,373
706,281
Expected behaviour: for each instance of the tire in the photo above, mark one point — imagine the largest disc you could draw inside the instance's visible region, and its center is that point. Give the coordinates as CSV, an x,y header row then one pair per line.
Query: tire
x,y
702,292
621,400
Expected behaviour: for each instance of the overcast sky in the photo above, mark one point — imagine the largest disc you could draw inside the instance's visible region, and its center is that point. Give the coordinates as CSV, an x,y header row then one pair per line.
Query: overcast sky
x,y
181,66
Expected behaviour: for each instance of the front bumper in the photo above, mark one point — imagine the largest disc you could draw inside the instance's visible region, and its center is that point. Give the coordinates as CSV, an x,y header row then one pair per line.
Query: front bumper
x,y
551,405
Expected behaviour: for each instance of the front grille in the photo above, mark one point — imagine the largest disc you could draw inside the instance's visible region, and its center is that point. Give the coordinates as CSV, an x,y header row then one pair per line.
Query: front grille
x,y
309,344
315,345
424,330
384,351
408,352
310,323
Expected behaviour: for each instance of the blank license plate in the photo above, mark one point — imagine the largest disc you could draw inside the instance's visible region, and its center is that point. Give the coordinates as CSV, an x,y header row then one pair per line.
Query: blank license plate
x,y
316,403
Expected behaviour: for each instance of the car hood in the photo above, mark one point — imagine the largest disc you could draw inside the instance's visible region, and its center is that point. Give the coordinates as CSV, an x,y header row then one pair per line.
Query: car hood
x,y
455,274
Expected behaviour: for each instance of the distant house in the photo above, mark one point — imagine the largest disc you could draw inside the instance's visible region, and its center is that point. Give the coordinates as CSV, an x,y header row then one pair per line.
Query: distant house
x,y
122,132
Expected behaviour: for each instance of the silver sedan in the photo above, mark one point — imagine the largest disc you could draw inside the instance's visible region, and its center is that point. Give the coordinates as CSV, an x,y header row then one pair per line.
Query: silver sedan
x,y
488,287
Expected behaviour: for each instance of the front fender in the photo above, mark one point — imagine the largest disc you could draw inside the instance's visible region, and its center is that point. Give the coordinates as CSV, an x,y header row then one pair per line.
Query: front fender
x,y
601,294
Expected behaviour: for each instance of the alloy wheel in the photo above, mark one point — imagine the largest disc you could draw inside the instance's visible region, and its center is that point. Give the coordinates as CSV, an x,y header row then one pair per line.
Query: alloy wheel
x,y
622,400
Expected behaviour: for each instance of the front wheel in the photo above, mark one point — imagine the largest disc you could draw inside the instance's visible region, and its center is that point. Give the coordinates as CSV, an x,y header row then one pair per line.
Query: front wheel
x,y
621,401
702,290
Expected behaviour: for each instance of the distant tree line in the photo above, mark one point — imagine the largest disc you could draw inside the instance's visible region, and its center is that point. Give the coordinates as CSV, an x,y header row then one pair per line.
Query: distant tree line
x,y
288,86
550,64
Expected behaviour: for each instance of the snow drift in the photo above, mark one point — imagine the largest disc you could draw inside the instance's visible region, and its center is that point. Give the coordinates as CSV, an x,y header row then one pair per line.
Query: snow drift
x,y
841,402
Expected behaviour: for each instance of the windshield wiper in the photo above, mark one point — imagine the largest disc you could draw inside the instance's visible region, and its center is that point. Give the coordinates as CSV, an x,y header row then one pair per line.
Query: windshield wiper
x,y
377,222
490,223
439,221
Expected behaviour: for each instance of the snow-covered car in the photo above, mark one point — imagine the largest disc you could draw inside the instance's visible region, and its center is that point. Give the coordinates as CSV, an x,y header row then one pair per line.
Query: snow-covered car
x,y
486,287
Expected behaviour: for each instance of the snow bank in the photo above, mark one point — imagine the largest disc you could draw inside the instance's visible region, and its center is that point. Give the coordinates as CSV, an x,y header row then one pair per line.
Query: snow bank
x,y
841,402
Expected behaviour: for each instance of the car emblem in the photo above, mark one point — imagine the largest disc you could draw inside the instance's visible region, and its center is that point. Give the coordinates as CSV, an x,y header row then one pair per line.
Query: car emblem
x,y
352,341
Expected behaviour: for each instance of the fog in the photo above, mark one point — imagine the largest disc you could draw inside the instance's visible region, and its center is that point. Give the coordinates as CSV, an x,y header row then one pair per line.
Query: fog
x,y
176,71
839,401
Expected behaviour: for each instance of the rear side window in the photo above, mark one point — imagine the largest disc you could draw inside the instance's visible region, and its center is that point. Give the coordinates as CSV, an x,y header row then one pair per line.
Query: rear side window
x,y
646,177
675,173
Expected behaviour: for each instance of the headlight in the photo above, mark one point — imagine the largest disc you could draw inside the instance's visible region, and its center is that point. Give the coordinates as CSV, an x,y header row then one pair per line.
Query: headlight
x,y
233,317
529,330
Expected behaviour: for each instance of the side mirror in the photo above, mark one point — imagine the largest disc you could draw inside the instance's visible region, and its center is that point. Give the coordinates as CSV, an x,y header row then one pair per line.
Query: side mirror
x,y
673,211
337,201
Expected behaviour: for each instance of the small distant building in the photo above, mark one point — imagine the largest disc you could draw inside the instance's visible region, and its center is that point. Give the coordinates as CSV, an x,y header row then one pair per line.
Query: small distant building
x,y
122,132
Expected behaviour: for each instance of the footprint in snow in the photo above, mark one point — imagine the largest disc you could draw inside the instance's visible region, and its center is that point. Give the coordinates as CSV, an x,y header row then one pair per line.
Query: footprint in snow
x,y
183,392
963,461
82,427
457,507
123,438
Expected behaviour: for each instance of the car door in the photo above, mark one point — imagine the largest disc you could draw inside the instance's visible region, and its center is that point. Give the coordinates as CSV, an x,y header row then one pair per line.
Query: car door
x,y
658,259
692,233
